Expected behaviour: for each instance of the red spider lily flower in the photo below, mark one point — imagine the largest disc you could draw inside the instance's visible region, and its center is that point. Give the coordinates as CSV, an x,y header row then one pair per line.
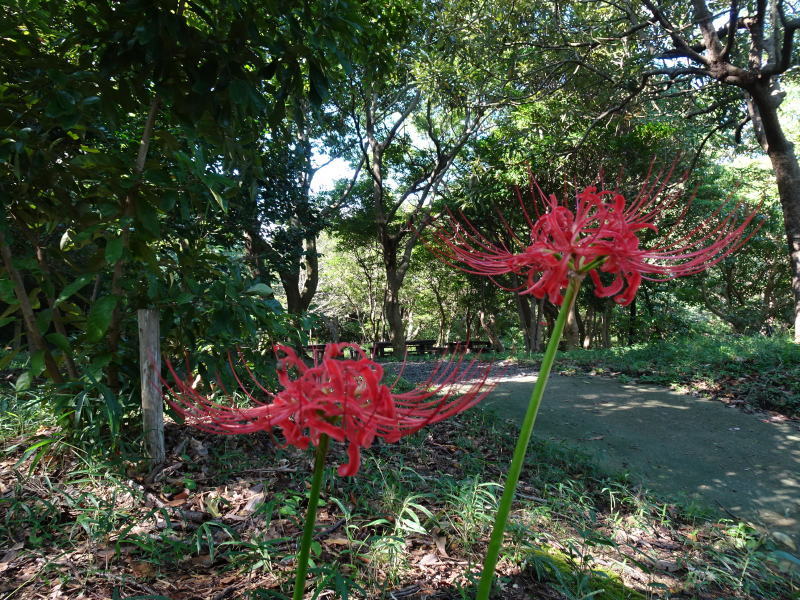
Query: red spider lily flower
x,y
601,234
343,398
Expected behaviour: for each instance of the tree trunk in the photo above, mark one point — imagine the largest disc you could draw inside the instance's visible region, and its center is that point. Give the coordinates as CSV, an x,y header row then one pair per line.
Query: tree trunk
x,y
16,343
441,339
489,325
35,340
787,175
298,299
394,313
571,332
525,321
588,328
469,315
632,324
291,286
607,323
580,325
58,323
539,324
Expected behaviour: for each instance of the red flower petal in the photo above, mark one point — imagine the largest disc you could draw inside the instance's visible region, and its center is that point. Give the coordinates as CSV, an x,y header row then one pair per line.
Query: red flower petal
x,y
343,398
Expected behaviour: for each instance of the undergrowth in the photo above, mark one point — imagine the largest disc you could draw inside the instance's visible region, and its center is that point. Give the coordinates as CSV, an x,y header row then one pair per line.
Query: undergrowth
x,y
222,519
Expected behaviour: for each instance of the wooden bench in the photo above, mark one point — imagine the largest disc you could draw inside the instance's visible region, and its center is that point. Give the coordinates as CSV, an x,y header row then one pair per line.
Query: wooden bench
x,y
420,347
317,351
476,346
413,348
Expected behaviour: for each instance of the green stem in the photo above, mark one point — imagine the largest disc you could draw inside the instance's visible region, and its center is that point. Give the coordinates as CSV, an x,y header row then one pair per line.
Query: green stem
x,y
514,470
311,517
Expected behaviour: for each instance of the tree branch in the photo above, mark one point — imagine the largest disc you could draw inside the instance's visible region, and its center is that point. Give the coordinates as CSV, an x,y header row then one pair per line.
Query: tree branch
x,y
706,21
787,48
732,20
609,112
680,42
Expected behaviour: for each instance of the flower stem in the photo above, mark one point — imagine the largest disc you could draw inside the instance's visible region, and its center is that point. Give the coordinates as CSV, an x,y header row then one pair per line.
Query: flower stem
x,y
514,470
311,517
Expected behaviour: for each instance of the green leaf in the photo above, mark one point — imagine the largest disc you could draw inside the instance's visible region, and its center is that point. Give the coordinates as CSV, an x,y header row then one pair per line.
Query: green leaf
x,y
239,92
97,365
12,308
168,200
220,200
113,407
43,319
72,288
113,250
6,321
260,289
147,217
41,446
37,363
23,382
319,83
785,556
59,341
6,360
100,318
7,292
184,298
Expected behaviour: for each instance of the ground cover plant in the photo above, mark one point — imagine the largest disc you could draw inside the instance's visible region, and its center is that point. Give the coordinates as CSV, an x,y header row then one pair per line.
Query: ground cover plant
x,y
223,519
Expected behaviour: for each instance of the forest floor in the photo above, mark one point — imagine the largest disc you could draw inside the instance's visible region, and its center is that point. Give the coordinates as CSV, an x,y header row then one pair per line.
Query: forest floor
x,y
743,463
221,520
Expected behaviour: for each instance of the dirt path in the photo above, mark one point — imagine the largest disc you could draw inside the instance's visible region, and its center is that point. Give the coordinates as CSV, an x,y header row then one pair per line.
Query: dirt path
x,y
675,444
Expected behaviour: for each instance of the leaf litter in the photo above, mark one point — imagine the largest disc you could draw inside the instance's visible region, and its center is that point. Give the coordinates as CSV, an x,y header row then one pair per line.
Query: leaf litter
x,y
222,517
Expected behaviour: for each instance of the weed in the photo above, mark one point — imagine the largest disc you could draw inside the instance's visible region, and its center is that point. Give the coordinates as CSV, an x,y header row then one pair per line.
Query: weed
x,y
573,527
469,508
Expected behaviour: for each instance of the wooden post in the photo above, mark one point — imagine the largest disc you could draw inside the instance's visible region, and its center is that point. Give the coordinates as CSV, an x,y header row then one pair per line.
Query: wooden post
x,y
149,373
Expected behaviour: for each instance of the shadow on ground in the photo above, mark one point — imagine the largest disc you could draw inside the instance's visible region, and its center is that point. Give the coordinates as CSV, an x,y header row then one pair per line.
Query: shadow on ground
x,y
678,445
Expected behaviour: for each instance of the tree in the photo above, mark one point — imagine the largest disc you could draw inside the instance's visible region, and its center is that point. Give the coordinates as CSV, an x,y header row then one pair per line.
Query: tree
x,y
768,34
721,62
126,130
284,218
418,104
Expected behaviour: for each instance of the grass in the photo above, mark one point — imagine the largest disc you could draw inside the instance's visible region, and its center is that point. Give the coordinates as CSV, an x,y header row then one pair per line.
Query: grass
x,y
222,519
754,371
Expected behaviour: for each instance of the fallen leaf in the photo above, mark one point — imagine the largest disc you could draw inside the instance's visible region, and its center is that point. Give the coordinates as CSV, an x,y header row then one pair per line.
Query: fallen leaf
x,y
202,560
336,541
428,560
670,566
5,562
142,569
784,539
441,542
253,503
178,499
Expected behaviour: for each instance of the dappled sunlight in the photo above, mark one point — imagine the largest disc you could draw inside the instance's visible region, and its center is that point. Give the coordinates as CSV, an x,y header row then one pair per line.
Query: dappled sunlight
x,y
679,445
